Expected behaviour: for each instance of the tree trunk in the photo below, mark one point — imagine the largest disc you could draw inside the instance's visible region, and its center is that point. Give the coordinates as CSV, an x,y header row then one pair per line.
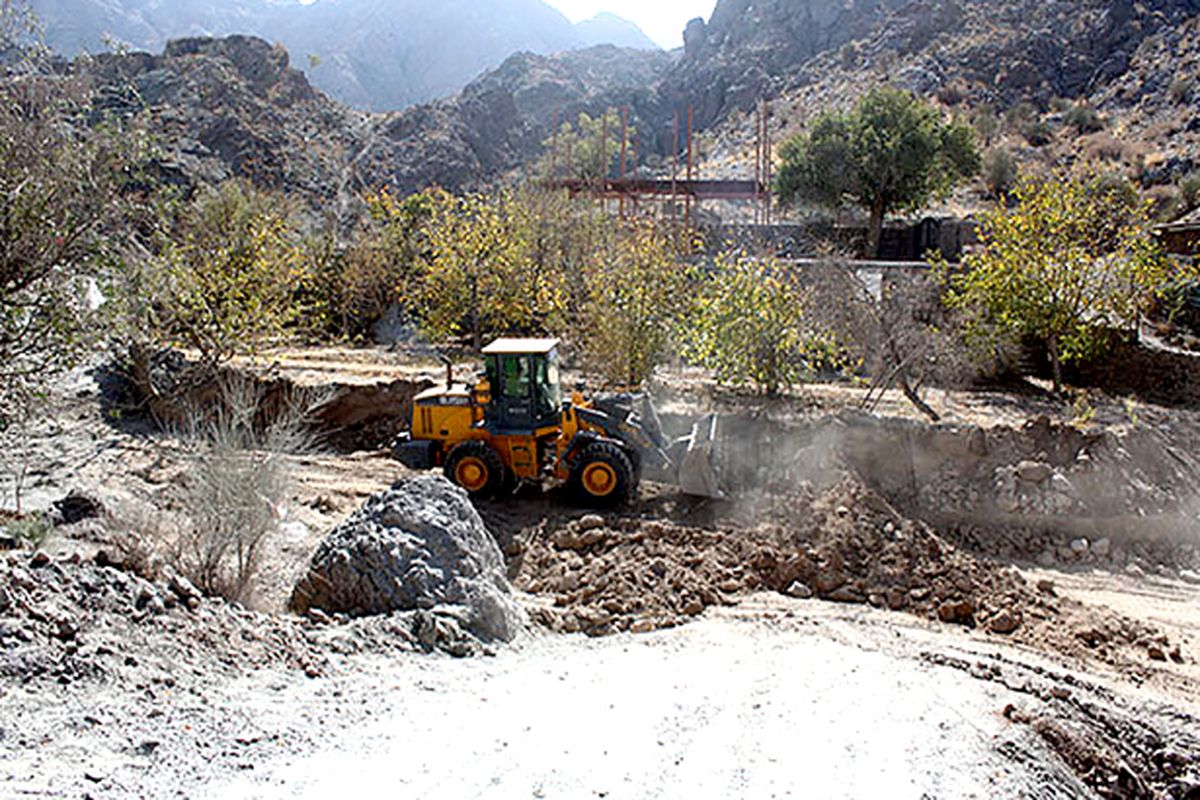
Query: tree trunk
x,y
1055,363
916,400
875,229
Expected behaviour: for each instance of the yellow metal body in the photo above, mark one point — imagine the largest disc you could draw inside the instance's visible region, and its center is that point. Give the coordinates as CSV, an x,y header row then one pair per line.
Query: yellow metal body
x,y
454,414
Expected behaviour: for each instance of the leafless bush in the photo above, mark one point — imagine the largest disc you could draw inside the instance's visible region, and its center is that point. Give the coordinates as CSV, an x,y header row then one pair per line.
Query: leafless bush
x,y
237,483
898,332
141,539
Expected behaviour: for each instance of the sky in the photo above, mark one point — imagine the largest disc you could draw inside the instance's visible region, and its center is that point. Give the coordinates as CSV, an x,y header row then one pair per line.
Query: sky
x,y
662,20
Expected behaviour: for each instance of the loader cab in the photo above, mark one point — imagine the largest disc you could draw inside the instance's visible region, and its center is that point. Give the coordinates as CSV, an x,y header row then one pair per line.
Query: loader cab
x,y
526,385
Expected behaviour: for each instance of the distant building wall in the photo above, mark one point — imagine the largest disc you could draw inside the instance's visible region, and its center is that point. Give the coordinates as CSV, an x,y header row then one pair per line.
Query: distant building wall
x,y
899,242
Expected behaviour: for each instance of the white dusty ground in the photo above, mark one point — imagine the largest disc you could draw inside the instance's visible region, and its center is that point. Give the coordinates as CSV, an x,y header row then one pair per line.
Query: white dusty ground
x,y
777,698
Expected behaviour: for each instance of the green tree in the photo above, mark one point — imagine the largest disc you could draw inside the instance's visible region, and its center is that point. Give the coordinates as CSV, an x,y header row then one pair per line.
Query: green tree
x,y
61,207
637,293
891,152
1073,259
751,326
226,279
589,149
480,273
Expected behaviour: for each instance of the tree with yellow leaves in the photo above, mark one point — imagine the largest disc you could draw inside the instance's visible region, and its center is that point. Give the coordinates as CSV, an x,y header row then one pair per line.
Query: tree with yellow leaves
x,y
638,291
1071,260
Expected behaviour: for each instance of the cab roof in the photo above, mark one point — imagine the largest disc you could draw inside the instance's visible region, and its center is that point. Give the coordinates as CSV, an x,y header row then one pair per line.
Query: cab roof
x,y
519,346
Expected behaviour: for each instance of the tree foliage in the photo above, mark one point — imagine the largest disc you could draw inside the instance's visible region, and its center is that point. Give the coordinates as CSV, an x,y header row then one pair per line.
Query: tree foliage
x,y
891,152
481,274
751,326
60,197
228,275
638,291
589,149
1073,259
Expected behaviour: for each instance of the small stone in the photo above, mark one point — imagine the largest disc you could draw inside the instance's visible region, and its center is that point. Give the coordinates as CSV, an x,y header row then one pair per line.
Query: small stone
x,y
1102,547
693,608
1005,622
1135,570
799,590
961,612
1079,546
1156,653
590,522
1034,471
184,588
40,559
842,511
1190,576
67,630
642,626
896,599
1177,655
846,594
1060,693
1047,588
829,582
1047,558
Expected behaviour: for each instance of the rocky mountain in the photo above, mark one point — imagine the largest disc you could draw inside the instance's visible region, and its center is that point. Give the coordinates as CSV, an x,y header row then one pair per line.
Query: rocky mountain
x,y
371,54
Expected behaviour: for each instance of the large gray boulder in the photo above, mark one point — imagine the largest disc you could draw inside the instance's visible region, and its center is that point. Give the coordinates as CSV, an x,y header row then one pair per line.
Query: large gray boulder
x,y
419,545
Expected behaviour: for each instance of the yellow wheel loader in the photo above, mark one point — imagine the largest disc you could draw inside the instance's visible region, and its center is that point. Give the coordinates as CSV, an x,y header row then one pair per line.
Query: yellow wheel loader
x,y
514,425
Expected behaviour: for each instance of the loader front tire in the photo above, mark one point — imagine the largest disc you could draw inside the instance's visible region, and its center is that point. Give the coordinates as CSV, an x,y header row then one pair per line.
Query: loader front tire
x,y
477,468
603,476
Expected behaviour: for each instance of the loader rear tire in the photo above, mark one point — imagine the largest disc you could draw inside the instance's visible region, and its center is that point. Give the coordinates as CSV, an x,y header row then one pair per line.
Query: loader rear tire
x,y
477,468
603,477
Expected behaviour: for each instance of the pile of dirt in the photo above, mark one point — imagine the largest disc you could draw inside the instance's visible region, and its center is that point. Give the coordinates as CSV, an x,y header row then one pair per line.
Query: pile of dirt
x,y
844,544
421,545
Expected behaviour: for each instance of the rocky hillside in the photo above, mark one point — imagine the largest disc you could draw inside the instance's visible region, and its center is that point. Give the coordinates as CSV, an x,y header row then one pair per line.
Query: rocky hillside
x,y
1136,63
236,107
371,54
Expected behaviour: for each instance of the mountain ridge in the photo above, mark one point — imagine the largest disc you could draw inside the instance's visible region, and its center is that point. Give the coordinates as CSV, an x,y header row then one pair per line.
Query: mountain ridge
x,y
379,55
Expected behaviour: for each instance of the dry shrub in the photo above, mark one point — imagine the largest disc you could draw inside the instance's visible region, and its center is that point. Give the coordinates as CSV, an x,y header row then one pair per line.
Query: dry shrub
x,y
901,334
237,483
1100,147
141,538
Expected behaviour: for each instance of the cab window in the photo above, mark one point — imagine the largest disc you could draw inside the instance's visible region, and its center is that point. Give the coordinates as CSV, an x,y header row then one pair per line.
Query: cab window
x,y
516,376
549,385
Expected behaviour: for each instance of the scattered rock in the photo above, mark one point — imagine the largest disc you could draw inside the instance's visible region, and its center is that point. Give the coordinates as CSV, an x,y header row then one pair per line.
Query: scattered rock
x,y
590,522
1079,546
1034,471
846,594
76,507
183,588
642,626
1156,653
1135,570
799,590
959,612
1005,622
40,559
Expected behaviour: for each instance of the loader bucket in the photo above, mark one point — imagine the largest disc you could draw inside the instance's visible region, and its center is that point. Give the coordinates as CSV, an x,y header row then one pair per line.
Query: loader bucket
x,y
697,473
